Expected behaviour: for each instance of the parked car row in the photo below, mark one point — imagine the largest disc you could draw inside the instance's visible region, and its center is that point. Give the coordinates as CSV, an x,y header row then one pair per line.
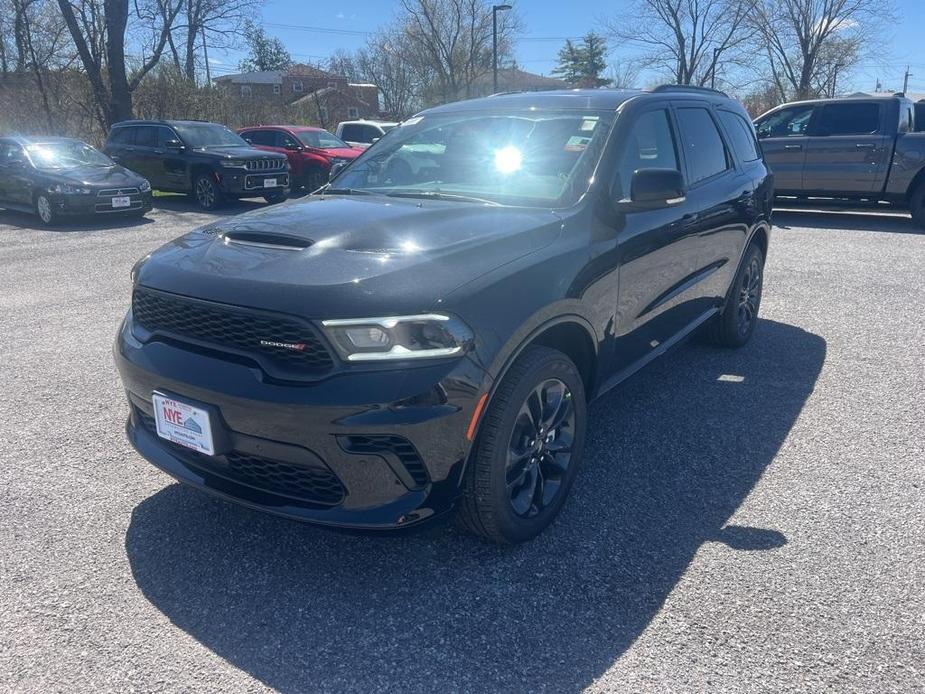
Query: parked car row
x,y
58,177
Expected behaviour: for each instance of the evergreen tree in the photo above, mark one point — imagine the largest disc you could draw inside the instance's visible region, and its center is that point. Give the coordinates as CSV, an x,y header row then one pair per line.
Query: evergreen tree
x,y
583,64
265,52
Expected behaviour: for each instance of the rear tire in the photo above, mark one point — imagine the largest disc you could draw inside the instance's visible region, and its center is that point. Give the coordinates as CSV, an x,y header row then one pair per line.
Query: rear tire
x,y
528,449
206,192
735,325
917,205
45,210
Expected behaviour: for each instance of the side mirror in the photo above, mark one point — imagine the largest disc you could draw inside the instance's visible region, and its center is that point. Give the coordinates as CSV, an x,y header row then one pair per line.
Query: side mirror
x,y
292,147
336,169
174,144
653,188
374,140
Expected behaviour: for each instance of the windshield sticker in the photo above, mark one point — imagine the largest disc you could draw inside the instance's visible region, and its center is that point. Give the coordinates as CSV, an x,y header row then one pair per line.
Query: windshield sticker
x,y
577,143
589,123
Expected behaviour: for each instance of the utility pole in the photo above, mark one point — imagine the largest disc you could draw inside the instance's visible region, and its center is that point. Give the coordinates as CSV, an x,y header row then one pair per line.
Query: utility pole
x,y
906,79
713,69
494,44
205,52
835,76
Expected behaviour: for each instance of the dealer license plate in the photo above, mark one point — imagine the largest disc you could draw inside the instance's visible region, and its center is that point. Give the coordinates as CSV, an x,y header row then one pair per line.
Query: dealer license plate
x,y
269,183
184,424
122,201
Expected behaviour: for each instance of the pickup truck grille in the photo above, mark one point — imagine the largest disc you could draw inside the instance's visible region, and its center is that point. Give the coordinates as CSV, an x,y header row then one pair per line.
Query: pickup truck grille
x,y
266,164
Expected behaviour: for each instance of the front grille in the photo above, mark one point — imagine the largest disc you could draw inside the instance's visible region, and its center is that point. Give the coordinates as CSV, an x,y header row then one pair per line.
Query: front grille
x,y
389,445
265,164
117,192
228,328
308,483
255,182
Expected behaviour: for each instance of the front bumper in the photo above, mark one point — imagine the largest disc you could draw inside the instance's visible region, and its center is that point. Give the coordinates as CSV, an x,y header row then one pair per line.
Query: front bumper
x,y
242,183
100,204
372,450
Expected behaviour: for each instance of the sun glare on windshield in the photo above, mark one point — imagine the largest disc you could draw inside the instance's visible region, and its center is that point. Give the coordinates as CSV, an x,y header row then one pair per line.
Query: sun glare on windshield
x,y
508,159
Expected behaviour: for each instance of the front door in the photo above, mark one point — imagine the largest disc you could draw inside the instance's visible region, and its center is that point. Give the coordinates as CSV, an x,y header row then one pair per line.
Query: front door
x,y
651,243
846,151
783,139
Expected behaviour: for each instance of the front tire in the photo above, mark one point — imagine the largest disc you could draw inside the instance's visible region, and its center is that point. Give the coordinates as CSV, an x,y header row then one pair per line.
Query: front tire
x,y
528,450
735,325
275,198
45,210
207,193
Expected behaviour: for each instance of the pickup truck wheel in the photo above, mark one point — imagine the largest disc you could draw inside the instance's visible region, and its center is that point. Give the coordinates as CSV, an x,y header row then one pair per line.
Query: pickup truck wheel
x,y
528,450
207,193
735,325
917,205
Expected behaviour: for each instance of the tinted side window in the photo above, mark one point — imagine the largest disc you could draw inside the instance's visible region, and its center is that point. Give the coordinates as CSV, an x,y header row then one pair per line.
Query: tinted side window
x,y
121,136
164,135
849,119
788,122
702,143
353,133
145,136
370,133
648,145
741,134
284,140
10,151
262,138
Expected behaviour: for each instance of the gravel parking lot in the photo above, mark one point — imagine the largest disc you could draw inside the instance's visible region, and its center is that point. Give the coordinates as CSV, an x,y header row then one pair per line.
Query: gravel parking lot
x,y
746,521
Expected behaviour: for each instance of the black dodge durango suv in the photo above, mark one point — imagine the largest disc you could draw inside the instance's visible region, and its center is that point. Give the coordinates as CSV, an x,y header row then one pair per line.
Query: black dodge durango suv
x,y
205,159
423,335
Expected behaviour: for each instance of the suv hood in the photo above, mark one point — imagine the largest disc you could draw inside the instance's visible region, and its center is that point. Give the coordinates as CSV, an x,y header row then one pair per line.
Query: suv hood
x,y
343,257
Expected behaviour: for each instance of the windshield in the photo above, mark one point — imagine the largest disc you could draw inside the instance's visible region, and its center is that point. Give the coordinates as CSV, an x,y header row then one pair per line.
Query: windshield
x,y
202,136
531,158
66,155
321,139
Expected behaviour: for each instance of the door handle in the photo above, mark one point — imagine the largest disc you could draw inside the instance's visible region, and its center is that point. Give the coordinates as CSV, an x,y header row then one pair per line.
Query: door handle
x,y
866,145
793,146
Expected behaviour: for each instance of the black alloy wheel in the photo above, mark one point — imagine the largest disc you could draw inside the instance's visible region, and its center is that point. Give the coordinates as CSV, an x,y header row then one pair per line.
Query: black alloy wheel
x,y
207,193
749,296
735,325
528,449
541,448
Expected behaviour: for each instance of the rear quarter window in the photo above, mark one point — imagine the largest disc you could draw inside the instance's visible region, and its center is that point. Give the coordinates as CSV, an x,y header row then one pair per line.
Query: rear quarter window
x,y
919,121
741,135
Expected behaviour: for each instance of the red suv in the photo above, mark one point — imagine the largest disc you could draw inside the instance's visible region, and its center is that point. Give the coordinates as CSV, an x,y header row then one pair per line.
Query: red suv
x,y
311,151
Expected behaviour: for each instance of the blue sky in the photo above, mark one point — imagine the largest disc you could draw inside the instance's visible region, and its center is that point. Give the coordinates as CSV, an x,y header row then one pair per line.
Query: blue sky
x,y
313,34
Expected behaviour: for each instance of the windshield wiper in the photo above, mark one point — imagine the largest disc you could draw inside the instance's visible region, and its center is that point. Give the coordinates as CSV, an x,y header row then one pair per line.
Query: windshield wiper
x,y
437,195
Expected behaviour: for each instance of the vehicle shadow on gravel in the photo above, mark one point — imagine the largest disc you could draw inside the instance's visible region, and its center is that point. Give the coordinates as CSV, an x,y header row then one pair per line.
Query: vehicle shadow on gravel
x,y
670,456
846,221
185,203
30,222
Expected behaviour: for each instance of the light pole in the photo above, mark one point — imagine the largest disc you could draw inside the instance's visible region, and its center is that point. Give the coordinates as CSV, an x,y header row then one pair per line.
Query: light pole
x,y
494,43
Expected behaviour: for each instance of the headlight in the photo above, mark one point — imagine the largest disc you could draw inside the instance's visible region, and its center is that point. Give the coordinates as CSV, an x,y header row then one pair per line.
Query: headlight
x,y
232,163
68,189
424,336
145,186
338,160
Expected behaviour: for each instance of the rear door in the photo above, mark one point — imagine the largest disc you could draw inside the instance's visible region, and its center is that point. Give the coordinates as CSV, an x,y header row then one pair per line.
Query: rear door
x,y
847,149
140,156
783,137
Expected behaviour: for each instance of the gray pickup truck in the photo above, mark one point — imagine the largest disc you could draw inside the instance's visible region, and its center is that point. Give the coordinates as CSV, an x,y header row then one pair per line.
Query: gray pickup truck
x,y
850,148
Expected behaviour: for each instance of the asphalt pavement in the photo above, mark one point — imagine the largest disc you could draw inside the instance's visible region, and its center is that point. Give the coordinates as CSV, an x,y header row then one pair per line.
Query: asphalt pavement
x,y
746,520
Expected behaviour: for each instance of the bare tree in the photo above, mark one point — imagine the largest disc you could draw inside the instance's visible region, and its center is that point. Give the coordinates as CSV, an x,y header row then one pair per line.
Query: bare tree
x,y
451,41
690,40
384,63
220,23
808,42
98,29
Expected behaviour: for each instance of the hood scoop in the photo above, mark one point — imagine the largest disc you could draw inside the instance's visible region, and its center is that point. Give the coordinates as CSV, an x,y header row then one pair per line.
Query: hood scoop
x,y
263,239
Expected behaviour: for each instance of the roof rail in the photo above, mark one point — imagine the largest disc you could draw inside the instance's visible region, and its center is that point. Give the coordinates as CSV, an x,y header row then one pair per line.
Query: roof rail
x,y
688,88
